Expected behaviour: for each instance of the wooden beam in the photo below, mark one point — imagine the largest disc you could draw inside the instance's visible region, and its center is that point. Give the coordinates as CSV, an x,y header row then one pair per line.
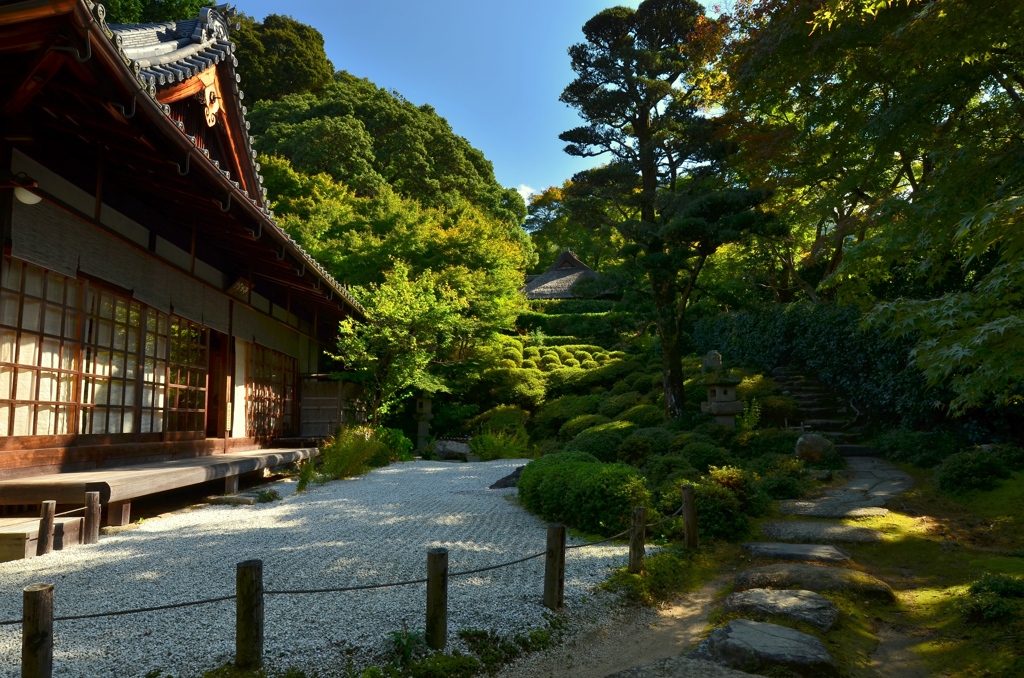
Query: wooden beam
x,y
42,70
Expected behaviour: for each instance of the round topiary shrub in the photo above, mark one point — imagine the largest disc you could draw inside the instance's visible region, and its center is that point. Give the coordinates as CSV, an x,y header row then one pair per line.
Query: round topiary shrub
x,y
603,444
531,352
571,362
779,486
741,483
550,361
513,355
590,364
529,364
719,513
577,425
702,456
966,471
507,363
618,403
583,355
644,416
643,443
661,470
601,357
620,387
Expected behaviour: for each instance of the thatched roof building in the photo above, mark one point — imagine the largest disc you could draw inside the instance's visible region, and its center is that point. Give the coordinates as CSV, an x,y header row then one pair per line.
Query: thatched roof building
x,y
558,280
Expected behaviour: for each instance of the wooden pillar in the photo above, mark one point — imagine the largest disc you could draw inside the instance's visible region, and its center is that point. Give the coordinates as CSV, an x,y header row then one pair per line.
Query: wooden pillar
x,y
231,485
46,518
249,614
690,517
118,513
93,515
637,536
554,568
437,598
37,631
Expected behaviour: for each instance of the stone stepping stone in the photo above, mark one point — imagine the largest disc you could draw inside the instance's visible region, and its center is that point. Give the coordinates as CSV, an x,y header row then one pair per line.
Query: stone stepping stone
x,y
813,578
833,509
814,553
757,646
814,531
802,606
677,667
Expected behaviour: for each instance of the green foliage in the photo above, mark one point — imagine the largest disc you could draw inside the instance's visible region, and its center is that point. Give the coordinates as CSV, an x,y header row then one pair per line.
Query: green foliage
x,y
643,443
921,449
985,607
506,443
643,415
408,322
554,413
751,416
602,440
152,11
351,452
743,485
577,425
618,404
967,471
663,472
455,665
1012,456
521,387
719,512
399,446
705,455
667,573
1002,585
568,306
500,418
780,486
753,444
268,496
280,56
589,495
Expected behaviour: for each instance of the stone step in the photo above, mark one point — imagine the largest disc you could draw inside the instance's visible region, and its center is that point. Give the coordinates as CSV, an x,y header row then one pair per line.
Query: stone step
x,y
816,578
759,646
807,553
801,606
826,423
816,531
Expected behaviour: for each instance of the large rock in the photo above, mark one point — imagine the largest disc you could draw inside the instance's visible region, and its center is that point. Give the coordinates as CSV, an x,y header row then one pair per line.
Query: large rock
x,y
756,646
812,530
802,606
808,553
680,667
812,447
448,449
813,578
511,480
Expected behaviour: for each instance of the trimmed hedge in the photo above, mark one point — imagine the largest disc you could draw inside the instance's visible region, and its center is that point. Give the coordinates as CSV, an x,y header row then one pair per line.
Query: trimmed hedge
x,y
579,491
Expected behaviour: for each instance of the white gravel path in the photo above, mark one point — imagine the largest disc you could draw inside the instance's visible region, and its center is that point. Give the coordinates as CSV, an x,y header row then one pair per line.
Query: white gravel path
x,y
375,528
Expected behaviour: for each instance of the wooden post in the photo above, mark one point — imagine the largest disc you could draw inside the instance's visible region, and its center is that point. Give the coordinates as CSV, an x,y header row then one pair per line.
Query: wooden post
x,y
249,614
93,514
231,485
46,517
119,513
437,598
690,517
637,535
554,568
37,631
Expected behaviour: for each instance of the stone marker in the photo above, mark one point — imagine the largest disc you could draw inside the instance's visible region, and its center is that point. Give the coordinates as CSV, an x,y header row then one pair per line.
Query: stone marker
x,y
813,447
803,606
756,646
812,553
811,530
712,362
813,578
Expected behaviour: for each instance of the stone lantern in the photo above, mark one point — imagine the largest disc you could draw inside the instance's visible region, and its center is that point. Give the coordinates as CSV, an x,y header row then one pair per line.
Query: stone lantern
x,y
722,403
423,417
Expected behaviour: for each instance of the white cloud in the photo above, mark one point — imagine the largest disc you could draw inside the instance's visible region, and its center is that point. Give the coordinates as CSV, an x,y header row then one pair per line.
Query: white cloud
x,y
526,192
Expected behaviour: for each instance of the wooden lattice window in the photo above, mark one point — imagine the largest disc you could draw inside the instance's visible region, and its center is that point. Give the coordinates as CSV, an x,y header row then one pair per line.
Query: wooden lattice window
x,y
154,372
39,328
110,364
188,365
270,392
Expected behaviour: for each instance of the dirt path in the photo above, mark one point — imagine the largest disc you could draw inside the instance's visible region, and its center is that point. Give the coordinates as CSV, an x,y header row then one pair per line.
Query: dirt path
x,y
632,637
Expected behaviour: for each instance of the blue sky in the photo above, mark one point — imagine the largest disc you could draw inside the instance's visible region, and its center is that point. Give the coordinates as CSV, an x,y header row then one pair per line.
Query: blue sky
x,y
493,68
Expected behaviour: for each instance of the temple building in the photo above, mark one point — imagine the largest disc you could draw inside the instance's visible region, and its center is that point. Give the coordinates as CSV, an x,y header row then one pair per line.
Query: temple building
x,y
151,310
557,282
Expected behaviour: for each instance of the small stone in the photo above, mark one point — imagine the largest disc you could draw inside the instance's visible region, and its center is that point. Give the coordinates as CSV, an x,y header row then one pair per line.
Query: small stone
x,y
813,578
756,646
812,447
810,530
813,553
802,606
231,499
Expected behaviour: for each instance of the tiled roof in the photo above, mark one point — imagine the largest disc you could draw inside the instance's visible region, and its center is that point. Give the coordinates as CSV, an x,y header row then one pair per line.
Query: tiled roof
x,y
558,280
163,54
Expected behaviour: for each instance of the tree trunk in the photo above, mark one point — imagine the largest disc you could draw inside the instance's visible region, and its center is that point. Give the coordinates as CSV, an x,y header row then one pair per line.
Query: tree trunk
x,y
672,371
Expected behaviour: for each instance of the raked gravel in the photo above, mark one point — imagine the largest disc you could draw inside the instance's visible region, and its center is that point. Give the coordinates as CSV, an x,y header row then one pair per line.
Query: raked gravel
x,y
374,528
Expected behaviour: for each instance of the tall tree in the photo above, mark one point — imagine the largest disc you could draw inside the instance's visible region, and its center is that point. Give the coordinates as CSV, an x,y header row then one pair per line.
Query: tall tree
x,y
645,84
280,56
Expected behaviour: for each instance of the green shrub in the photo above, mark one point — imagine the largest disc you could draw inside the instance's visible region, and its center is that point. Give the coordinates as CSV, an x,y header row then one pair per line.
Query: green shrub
x,y
352,451
779,486
590,364
550,361
621,386
499,418
571,362
508,364
662,470
549,418
602,444
601,357
1011,456
985,607
753,444
741,483
502,444
521,387
397,442
780,464
455,665
920,449
644,442
531,352
702,456
719,513
267,496
722,435
619,403
529,364
1002,585
589,495
583,355
643,415
966,471
778,410
577,425
756,386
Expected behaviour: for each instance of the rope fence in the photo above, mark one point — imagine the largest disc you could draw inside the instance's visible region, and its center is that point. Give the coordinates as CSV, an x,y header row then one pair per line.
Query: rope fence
x,y
37,611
